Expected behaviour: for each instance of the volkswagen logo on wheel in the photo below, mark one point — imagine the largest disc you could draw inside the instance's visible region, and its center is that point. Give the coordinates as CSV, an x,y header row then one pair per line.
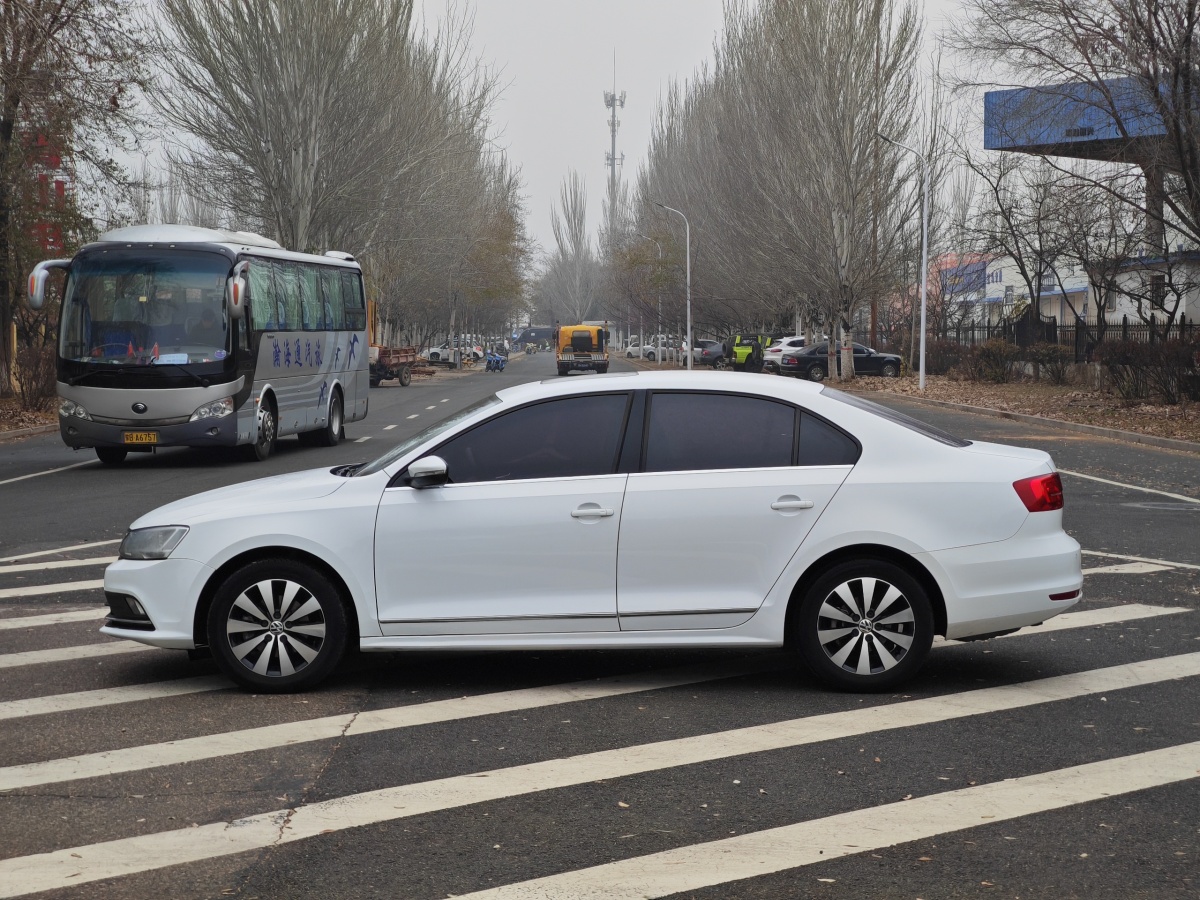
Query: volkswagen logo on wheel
x,y
139,408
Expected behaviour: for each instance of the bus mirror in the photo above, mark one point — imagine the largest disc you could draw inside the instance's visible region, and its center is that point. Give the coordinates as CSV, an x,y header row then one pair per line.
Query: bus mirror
x,y
38,278
235,298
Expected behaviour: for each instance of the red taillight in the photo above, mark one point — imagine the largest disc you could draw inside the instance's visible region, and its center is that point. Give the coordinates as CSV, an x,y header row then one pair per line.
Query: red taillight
x,y
1042,493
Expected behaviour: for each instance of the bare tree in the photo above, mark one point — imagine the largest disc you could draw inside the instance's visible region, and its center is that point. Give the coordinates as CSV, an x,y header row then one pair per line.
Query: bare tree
x,y
572,277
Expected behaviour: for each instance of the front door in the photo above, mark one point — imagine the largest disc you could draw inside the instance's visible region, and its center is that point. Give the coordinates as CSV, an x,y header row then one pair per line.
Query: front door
x,y
523,539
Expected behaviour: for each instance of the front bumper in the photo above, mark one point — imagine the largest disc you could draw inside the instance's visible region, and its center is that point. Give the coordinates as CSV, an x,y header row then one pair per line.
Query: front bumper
x,y
78,433
168,590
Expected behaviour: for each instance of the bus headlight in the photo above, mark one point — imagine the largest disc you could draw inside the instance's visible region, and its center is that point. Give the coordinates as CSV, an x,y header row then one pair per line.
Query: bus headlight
x,y
217,409
69,408
151,543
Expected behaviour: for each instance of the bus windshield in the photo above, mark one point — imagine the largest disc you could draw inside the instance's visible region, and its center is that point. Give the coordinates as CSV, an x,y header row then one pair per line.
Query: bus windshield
x,y
145,308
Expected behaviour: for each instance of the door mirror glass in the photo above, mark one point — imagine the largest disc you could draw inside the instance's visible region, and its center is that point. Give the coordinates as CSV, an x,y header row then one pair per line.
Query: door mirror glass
x,y
429,471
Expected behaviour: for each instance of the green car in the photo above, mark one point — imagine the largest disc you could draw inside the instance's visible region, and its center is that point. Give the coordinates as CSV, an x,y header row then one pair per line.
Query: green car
x,y
745,351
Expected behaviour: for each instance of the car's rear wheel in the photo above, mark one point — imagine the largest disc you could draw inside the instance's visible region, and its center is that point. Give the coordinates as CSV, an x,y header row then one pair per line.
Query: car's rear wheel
x,y
816,373
720,363
889,370
277,625
650,356
864,625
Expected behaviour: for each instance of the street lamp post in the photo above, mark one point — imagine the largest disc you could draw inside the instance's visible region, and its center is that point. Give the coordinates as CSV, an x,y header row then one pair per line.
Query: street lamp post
x,y
688,250
658,350
924,242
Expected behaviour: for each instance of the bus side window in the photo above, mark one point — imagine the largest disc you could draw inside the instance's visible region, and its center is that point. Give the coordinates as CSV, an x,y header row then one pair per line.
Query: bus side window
x,y
331,293
310,306
262,296
356,313
287,295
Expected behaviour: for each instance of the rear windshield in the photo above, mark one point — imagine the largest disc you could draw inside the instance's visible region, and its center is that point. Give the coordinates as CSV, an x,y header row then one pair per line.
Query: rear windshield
x,y
898,417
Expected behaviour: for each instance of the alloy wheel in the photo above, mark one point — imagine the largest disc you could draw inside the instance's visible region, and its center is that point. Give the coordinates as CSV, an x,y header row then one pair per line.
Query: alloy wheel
x,y
866,626
275,627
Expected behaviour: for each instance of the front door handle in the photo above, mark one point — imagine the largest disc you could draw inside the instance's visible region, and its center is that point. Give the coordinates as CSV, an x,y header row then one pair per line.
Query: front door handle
x,y
792,504
591,512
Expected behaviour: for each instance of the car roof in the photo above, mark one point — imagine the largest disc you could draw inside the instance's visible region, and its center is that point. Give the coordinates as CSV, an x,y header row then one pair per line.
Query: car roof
x,y
699,380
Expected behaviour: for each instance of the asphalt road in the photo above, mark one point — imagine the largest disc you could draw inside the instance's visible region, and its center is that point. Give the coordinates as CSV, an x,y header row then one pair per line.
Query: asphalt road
x,y
1060,762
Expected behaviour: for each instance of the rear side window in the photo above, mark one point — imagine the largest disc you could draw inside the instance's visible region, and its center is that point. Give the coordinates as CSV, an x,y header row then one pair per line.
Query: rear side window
x,y
564,438
718,431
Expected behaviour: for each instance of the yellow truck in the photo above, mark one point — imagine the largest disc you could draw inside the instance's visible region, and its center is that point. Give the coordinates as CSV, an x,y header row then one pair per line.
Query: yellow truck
x,y
581,348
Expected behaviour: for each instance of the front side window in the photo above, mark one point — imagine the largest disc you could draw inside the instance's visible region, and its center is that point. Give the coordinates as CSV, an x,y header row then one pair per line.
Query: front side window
x,y
690,432
572,437
139,307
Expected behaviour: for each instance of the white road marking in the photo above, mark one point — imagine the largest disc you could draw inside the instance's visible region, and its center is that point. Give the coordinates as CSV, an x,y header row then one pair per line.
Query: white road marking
x,y
269,736
1131,487
58,564
131,693
34,590
819,840
127,856
1164,562
431,407
70,654
62,618
90,462
389,427
68,549
1105,615
363,440
414,415
1131,568
447,400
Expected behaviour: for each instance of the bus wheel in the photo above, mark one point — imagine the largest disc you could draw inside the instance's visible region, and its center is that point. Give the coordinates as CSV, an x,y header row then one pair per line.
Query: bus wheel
x,y
405,376
111,456
332,432
265,442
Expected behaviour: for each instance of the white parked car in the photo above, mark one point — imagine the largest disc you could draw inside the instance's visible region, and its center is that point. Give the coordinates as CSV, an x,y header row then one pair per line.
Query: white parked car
x,y
696,510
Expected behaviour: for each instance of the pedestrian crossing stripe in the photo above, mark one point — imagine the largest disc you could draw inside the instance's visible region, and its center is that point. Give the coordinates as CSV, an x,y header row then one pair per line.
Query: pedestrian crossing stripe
x,y
127,856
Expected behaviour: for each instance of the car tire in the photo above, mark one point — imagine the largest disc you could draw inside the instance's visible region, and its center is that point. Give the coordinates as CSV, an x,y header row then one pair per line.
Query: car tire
x,y
264,443
562,370
405,376
111,456
720,363
277,625
650,356
889,370
864,625
332,432
816,373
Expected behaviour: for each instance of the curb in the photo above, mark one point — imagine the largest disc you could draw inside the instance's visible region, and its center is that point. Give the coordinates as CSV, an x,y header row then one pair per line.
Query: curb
x,y
1131,437
27,432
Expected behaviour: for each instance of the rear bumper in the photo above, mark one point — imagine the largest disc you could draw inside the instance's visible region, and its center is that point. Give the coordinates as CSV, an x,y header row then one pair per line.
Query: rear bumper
x,y
1007,584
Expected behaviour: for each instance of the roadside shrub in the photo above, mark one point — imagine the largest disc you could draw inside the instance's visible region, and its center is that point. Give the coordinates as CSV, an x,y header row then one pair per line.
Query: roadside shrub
x,y
994,361
942,356
1053,361
1167,370
35,377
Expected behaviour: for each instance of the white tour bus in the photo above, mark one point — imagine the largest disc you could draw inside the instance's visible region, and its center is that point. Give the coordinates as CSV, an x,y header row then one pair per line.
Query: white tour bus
x,y
171,335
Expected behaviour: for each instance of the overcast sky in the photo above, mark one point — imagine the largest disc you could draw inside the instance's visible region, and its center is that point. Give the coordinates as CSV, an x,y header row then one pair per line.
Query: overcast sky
x,y
556,57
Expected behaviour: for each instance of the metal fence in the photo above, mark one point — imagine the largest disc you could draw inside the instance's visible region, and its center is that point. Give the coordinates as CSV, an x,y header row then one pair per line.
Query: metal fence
x,y
1082,338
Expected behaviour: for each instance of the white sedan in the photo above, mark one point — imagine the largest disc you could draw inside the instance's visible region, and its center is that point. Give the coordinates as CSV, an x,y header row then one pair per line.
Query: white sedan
x,y
659,509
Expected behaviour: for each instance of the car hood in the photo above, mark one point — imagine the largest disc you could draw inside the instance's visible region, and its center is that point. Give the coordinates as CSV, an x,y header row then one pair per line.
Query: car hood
x,y
259,495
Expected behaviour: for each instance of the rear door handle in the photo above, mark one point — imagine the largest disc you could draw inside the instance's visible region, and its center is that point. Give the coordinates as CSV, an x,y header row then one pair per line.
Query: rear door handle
x,y
792,504
591,512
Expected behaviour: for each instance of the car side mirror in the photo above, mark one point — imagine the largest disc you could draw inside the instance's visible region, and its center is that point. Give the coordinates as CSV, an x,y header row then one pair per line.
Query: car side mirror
x,y
427,472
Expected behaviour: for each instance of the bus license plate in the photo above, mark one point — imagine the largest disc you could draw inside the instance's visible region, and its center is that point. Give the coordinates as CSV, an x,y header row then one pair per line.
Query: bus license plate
x,y
141,437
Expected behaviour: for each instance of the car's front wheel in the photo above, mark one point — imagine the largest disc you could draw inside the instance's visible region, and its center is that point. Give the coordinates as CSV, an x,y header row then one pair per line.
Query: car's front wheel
x,y
889,370
864,625
277,625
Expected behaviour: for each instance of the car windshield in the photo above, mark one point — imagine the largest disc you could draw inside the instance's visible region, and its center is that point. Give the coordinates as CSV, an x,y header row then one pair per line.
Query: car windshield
x,y
427,434
898,417
145,308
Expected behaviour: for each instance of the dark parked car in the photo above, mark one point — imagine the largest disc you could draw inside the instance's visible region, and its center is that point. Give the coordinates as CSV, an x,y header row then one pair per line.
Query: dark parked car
x,y
709,353
813,362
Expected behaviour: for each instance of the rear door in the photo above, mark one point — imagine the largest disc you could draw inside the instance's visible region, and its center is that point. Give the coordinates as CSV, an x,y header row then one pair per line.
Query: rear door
x,y
720,506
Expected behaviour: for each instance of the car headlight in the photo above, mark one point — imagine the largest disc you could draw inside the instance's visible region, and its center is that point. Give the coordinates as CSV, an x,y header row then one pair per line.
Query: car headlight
x,y
152,543
69,408
217,409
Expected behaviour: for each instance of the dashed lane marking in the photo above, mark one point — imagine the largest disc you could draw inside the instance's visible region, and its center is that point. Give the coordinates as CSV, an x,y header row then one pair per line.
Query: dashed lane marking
x,y
58,564
110,859
1131,568
63,618
131,693
431,407
1131,487
390,427
90,462
1162,562
70,654
69,549
414,415
698,866
34,590
363,440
